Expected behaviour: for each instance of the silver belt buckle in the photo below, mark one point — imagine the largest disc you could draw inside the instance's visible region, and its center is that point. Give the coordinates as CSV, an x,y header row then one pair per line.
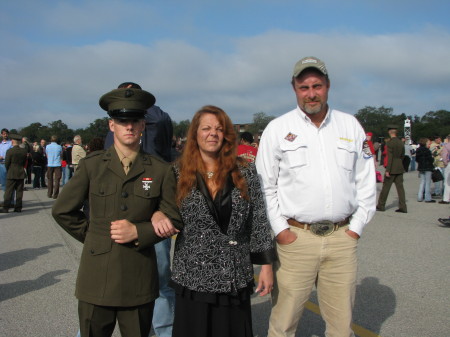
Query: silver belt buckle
x,y
322,228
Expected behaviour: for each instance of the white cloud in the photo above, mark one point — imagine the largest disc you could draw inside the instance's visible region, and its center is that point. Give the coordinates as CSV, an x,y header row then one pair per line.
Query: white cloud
x,y
408,72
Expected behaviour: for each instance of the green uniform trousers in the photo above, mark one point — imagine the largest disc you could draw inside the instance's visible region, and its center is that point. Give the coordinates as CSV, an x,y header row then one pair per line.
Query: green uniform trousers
x,y
396,179
11,186
100,321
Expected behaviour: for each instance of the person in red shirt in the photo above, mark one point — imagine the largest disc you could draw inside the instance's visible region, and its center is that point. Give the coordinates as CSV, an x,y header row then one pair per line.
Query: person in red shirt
x,y
245,149
369,142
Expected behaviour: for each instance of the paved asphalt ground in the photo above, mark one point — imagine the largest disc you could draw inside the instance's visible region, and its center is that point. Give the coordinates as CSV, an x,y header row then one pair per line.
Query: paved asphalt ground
x,y
403,285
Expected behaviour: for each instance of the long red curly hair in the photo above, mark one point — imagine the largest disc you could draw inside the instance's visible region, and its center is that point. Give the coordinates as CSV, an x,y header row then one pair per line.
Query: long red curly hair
x,y
191,162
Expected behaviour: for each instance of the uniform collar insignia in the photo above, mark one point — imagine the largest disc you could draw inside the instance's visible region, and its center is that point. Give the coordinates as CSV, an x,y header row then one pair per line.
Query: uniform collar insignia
x,y
290,137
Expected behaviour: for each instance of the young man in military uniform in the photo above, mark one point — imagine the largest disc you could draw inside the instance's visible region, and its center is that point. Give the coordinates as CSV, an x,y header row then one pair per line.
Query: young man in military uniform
x,y
15,160
117,277
394,172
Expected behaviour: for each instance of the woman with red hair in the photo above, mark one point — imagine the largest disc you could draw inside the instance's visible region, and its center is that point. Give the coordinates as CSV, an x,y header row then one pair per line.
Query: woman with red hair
x,y
225,232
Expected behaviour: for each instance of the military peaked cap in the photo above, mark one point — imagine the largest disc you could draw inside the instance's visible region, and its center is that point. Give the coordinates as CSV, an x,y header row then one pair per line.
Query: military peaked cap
x,y
15,136
127,103
392,127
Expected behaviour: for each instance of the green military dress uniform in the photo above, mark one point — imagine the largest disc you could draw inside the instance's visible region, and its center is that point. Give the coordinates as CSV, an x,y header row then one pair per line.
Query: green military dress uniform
x,y
118,277
15,160
112,274
396,152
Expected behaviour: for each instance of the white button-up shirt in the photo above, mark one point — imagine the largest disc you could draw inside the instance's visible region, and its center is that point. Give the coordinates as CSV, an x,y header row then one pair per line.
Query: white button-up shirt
x,y
312,174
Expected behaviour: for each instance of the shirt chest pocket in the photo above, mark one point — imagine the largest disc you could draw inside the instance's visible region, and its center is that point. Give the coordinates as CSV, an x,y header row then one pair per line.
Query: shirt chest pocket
x,y
102,200
346,155
146,195
295,154
146,190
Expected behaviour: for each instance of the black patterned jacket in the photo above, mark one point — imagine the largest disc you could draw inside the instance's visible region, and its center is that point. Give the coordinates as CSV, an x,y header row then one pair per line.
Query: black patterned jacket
x,y
207,260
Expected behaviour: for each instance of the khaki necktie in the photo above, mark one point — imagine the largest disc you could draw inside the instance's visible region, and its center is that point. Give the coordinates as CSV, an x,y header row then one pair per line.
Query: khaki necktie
x,y
126,163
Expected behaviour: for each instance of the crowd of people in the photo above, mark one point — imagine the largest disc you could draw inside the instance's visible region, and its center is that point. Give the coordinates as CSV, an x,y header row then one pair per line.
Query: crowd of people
x,y
430,157
232,204
46,165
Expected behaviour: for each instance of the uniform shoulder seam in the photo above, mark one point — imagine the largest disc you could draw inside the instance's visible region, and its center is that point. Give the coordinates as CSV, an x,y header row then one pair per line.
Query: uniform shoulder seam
x,y
94,154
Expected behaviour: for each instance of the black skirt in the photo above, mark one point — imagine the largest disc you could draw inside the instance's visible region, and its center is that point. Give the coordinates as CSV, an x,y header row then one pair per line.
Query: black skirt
x,y
212,315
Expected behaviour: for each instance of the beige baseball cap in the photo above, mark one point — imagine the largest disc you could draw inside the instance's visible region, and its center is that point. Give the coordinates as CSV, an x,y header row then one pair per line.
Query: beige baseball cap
x,y
309,62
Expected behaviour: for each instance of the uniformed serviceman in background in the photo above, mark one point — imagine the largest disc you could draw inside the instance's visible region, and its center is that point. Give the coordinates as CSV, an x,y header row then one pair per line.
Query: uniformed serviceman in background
x,y
117,277
394,171
15,160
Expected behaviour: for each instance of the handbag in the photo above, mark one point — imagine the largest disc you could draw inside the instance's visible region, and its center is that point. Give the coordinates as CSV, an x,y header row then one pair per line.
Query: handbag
x,y
437,175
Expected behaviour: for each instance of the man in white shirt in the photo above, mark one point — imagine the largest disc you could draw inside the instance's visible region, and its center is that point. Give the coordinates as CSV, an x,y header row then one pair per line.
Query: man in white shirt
x,y
317,173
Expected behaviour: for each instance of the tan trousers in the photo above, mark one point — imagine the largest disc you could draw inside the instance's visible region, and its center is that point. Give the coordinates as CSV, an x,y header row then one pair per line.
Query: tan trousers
x,y
330,263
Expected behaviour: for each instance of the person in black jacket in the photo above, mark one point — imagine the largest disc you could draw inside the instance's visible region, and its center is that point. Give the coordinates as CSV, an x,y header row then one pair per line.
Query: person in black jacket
x,y
424,159
28,167
67,157
37,157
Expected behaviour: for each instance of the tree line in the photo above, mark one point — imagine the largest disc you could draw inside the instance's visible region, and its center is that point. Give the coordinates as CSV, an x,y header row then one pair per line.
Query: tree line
x,y
373,119
431,124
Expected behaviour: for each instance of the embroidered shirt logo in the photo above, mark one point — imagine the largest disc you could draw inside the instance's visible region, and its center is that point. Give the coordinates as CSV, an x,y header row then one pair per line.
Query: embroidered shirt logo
x,y
290,137
346,139
146,183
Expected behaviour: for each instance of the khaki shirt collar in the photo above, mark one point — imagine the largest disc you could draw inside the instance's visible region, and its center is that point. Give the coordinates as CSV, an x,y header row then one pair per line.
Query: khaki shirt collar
x,y
132,156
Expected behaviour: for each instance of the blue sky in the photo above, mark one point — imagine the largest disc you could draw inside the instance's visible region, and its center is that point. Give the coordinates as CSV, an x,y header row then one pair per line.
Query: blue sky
x,y
58,57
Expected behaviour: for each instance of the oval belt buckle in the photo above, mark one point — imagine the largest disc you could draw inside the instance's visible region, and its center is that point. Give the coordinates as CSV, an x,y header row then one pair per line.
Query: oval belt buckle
x,y
322,228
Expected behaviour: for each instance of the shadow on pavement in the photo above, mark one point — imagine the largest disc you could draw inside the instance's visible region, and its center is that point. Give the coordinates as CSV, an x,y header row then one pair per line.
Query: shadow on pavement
x,y
260,317
14,289
29,207
19,257
374,304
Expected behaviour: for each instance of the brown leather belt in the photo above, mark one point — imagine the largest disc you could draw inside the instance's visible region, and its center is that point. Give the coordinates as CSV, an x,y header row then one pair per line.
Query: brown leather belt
x,y
321,228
